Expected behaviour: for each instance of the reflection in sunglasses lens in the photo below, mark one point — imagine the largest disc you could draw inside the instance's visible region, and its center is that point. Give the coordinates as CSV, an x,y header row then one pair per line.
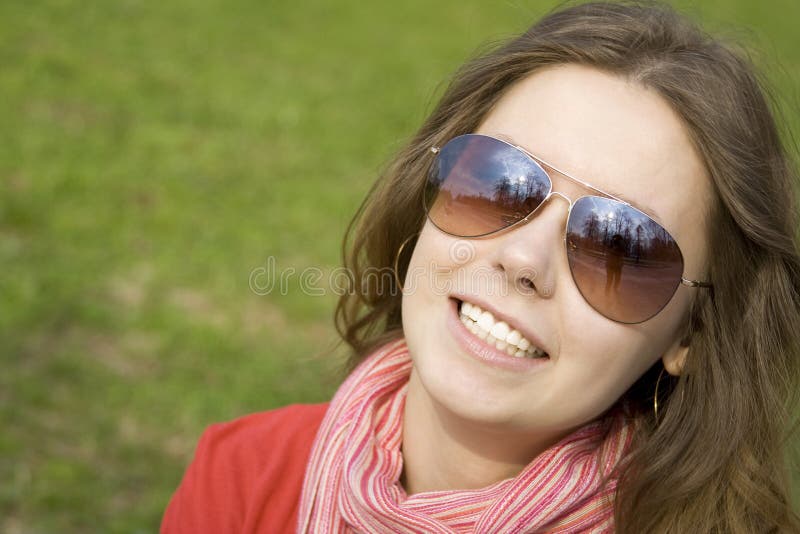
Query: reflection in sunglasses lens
x,y
625,264
478,185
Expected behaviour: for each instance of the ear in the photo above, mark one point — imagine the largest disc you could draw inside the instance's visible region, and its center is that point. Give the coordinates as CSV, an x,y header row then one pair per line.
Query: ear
x,y
675,358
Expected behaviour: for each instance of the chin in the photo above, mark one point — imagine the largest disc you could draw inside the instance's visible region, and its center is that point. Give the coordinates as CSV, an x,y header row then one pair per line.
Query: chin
x,y
462,389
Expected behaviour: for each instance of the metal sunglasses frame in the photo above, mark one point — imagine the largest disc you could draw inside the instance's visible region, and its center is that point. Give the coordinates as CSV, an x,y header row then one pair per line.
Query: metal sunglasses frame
x,y
540,163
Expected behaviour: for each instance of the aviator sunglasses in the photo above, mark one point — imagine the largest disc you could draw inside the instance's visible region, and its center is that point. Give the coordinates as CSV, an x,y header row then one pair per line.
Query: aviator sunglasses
x,y
625,264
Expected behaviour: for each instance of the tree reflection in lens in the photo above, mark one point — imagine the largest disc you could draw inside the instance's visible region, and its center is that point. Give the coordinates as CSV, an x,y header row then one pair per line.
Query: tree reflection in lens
x,y
479,185
625,264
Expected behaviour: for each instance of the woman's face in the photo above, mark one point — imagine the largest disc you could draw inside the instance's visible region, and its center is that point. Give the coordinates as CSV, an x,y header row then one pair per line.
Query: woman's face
x,y
614,135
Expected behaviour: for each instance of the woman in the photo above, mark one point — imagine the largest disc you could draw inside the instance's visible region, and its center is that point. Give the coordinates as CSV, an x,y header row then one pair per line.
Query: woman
x,y
510,387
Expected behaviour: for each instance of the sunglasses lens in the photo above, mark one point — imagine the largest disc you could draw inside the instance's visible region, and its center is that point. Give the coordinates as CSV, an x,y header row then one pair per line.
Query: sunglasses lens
x,y
478,185
625,264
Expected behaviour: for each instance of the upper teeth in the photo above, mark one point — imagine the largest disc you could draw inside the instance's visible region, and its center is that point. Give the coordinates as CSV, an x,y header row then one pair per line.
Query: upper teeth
x,y
497,333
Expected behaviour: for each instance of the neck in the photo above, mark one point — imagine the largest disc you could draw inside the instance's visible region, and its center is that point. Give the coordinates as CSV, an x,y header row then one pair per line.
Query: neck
x,y
438,444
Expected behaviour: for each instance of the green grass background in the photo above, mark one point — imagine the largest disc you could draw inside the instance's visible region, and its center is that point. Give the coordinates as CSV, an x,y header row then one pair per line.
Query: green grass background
x,y
152,154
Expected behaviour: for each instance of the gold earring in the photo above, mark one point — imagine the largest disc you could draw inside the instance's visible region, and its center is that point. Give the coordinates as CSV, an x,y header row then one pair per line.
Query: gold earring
x,y
397,260
655,396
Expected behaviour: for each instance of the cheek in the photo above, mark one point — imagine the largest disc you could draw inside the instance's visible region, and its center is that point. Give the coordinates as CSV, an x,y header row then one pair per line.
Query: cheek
x,y
603,359
436,250
603,367
433,267
425,288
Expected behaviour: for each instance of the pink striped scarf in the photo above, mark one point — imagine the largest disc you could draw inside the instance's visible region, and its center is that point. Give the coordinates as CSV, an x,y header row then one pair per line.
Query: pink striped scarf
x,y
352,479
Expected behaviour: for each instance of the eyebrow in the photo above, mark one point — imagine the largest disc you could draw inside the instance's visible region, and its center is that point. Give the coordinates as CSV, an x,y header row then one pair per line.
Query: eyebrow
x,y
647,210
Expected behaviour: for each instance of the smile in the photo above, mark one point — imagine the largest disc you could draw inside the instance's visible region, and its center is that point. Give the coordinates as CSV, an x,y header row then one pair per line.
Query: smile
x,y
498,333
492,340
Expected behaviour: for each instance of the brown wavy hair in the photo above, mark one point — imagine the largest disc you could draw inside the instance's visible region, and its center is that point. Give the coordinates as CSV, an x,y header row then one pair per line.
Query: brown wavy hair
x,y
714,462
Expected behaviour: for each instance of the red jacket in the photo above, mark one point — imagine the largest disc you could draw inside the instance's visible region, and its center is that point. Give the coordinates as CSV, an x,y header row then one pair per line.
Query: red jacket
x,y
247,474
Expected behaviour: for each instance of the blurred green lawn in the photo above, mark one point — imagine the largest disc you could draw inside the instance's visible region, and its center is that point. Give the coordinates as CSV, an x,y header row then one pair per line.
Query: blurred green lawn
x,y
152,154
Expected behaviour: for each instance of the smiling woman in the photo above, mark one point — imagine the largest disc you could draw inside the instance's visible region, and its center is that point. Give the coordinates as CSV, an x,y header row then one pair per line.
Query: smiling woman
x,y
584,329
598,208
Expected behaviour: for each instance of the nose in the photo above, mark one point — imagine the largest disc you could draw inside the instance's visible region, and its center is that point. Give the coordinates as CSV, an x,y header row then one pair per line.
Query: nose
x,y
531,253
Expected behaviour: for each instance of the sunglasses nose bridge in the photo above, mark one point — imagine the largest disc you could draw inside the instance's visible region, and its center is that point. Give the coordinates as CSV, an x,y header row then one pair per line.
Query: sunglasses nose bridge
x,y
562,195
552,193
544,201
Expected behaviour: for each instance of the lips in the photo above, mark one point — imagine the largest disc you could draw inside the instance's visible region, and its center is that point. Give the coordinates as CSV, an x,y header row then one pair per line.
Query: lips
x,y
490,355
497,321
497,333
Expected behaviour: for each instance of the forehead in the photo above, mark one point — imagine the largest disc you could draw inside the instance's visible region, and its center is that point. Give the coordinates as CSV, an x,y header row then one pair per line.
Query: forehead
x,y
613,134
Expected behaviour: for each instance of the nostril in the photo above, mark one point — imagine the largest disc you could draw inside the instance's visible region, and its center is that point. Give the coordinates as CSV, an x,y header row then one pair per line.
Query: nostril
x,y
525,278
527,283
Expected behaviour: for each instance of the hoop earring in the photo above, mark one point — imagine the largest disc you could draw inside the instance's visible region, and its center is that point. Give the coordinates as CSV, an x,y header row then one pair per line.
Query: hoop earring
x,y
397,260
655,396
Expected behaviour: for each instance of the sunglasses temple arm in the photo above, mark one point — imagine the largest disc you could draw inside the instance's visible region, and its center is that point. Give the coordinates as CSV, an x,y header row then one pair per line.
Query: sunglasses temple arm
x,y
695,283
